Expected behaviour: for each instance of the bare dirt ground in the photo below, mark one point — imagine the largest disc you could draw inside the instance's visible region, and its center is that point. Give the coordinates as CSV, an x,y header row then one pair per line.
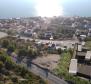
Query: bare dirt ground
x,y
50,61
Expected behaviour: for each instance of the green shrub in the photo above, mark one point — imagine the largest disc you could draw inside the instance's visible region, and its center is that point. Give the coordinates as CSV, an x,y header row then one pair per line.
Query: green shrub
x,y
59,51
5,43
14,79
63,69
1,65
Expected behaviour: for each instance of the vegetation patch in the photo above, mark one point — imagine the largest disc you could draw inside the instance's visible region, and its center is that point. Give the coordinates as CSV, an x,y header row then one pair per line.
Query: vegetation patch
x,y
63,70
88,44
10,73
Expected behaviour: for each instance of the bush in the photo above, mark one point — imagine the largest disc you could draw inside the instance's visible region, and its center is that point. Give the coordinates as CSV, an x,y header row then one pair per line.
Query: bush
x,y
63,67
71,52
14,79
10,49
5,43
1,65
9,64
22,52
59,51
21,71
88,39
2,58
32,53
5,72
42,82
1,82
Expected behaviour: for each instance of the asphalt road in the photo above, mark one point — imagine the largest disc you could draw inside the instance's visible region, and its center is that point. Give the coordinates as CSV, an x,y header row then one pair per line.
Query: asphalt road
x,y
67,43
44,73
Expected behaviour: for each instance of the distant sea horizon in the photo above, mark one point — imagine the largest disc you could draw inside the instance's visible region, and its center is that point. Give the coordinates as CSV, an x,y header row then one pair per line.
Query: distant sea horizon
x,y
42,17
27,8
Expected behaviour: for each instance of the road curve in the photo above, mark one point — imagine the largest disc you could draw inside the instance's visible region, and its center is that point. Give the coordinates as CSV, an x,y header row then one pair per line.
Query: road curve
x,y
44,73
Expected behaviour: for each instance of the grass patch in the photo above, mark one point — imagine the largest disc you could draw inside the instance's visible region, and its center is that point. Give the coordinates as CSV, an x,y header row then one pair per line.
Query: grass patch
x,y
15,72
63,70
88,44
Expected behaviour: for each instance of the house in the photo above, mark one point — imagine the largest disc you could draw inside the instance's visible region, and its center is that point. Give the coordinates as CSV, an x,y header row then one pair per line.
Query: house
x,y
79,47
82,37
83,43
73,67
88,55
80,56
48,35
28,32
80,63
84,70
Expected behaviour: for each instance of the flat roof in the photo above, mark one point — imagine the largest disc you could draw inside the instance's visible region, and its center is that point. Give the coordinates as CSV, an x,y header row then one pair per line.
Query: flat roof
x,y
79,47
83,54
83,35
88,55
73,66
83,43
84,69
86,48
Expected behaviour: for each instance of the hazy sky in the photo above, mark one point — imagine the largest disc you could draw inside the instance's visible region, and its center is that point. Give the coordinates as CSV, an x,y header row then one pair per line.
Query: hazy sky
x,y
19,8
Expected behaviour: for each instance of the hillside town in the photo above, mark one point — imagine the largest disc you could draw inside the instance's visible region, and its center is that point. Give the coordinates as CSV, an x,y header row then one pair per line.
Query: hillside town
x,y
59,28
57,49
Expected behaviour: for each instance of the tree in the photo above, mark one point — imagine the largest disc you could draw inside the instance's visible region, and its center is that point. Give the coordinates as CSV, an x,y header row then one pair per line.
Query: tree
x,y
9,64
1,65
23,72
14,79
59,51
71,52
5,43
22,52
32,53
11,49
35,53
2,58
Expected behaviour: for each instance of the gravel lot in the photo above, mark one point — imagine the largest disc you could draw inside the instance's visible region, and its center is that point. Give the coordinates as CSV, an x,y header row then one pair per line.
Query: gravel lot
x,y
50,61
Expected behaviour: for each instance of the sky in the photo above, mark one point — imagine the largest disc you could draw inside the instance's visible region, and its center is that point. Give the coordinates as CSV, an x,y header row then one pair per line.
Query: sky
x,y
48,8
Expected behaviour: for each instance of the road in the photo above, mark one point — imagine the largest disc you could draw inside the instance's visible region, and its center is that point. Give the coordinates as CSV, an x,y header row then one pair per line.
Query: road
x,y
37,70
67,43
44,73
